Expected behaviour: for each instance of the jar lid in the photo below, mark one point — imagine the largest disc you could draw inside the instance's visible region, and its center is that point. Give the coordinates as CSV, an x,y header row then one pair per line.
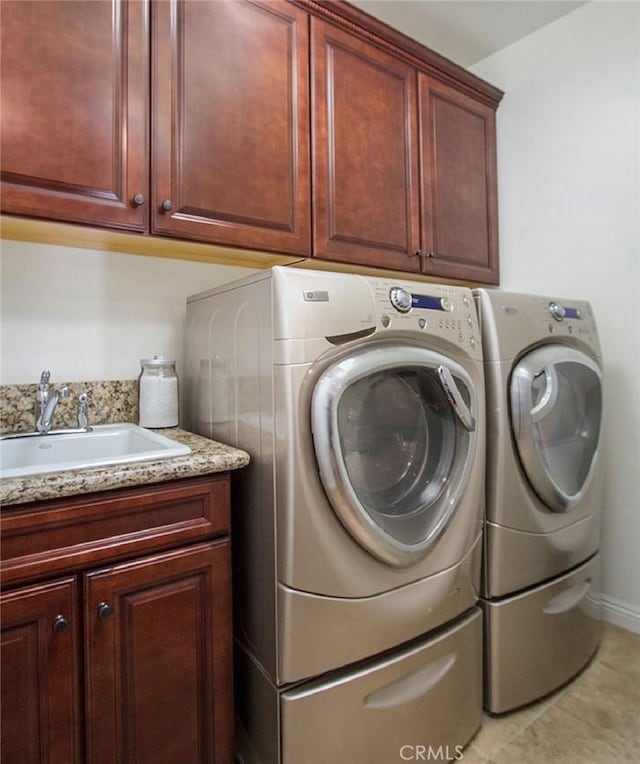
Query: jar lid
x,y
157,360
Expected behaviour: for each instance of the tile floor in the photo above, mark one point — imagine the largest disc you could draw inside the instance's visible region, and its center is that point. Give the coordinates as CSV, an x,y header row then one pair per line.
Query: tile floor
x,y
593,720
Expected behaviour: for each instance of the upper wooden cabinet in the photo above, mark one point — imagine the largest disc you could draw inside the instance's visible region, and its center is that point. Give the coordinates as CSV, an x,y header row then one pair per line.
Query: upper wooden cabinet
x,y
371,205
231,123
302,127
458,184
365,159
74,111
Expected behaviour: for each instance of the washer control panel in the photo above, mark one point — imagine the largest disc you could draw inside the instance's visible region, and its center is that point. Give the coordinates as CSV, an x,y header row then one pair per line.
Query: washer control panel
x,y
437,309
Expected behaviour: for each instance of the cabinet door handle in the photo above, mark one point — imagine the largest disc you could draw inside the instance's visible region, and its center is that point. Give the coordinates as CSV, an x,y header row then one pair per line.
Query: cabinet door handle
x,y
139,200
104,611
432,255
167,205
60,624
418,253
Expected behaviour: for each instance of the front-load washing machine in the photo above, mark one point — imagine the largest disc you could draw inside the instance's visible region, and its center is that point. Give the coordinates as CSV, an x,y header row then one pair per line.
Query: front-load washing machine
x,y
357,525
543,374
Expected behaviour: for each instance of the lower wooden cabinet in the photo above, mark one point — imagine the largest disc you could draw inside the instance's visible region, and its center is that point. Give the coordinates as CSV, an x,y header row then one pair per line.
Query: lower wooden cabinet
x,y
158,659
122,662
40,660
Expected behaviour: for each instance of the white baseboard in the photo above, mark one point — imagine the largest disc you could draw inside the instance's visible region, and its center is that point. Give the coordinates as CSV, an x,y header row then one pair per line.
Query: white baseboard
x,y
620,613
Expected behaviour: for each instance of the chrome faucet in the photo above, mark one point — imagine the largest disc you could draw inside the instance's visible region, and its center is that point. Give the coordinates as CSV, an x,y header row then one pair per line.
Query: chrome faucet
x,y
47,401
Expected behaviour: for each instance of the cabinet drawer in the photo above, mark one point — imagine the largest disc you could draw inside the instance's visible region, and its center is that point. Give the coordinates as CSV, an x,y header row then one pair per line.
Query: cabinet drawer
x,y
47,537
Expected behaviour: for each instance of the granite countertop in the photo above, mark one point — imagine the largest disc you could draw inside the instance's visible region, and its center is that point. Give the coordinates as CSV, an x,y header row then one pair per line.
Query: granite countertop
x,y
206,457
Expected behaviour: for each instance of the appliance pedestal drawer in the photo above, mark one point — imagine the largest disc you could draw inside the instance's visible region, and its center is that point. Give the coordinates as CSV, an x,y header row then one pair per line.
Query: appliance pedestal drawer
x,y
537,640
425,696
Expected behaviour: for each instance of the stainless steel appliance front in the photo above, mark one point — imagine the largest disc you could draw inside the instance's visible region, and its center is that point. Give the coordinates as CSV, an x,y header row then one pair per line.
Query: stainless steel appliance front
x,y
358,521
543,374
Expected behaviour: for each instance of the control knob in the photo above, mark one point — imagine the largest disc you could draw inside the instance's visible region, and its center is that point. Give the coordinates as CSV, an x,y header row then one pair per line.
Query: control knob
x,y
557,311
446,304
400,299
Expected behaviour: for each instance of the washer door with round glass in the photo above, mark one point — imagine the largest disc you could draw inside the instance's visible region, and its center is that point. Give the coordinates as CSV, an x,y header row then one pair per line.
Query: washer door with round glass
x,y
394,432
556,415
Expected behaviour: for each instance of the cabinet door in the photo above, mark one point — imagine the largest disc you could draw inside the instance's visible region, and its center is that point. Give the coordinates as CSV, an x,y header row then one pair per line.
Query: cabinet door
x,y
158,659
459,209
365,168
231,123
74,111
40,720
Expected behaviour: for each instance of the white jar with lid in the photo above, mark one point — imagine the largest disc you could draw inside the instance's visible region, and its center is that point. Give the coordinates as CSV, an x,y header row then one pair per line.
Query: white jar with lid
x,y
158,392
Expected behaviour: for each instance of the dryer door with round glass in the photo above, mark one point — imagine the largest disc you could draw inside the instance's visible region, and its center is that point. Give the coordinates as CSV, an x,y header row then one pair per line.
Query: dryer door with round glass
x,y
394,432
556,413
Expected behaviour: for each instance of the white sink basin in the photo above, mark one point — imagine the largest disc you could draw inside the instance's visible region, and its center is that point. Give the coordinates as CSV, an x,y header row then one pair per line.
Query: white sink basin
x,y
105,444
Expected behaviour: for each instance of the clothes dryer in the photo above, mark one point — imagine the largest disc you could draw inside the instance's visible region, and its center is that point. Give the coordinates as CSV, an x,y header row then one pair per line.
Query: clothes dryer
x,y
357,529
543,374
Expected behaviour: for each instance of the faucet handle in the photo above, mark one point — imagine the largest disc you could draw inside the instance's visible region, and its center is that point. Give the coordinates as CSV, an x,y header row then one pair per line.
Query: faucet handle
x,y
44,380
42,393
83,417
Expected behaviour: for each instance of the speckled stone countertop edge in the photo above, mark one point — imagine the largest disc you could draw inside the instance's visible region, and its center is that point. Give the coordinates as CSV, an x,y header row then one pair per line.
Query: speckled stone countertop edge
x,y
206,457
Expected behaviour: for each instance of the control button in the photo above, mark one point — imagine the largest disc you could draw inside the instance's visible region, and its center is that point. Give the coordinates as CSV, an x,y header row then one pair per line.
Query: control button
x,y
441,323
570,329
465,301
552,328
472,342
422,322
446,304
386,321
469,321
557,311
400,299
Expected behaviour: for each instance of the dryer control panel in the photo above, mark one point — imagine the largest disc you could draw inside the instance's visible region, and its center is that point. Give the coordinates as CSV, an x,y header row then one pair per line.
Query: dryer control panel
x,y
560,312
512,321
569,319
440,310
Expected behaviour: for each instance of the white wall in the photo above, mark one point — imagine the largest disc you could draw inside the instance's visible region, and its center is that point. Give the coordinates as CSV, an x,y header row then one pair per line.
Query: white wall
x,y
89,315
568,174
